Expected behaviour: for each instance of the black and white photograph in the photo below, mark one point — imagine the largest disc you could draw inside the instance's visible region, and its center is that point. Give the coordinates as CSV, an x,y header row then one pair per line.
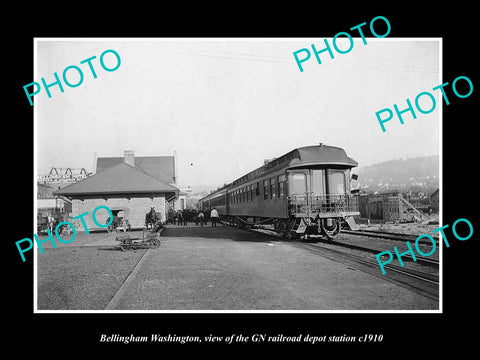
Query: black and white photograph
x,y
236,177
245,180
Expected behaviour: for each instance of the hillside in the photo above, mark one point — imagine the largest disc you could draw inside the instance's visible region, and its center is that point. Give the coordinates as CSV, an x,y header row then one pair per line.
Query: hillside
x,y
416,174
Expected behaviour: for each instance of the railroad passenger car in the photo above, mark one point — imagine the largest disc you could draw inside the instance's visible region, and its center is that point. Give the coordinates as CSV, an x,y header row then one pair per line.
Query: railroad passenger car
x,y
302,192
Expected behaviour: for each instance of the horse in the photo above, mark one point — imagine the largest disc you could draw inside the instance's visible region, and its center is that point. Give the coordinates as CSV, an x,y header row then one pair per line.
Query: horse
x,y
113,225
151,217
51,222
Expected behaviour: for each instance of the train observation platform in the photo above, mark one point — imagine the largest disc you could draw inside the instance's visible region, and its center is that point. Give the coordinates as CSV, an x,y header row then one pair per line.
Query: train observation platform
x,y
208,269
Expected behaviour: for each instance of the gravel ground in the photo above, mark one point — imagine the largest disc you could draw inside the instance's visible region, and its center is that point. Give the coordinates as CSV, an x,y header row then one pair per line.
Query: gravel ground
x,y
79,278
230,269
207,269
404,228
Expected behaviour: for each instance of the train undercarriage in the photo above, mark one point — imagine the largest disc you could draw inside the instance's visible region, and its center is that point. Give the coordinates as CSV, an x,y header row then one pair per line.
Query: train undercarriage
x,y
294,228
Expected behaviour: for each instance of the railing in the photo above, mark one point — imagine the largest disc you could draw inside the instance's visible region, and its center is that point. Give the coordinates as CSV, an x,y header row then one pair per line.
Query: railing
x,y
323,206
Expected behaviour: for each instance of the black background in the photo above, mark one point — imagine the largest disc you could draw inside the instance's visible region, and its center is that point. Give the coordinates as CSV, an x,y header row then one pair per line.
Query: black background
x,y
403,334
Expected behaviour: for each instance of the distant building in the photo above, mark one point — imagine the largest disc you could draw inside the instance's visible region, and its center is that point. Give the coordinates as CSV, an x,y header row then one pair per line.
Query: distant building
x,y
44,191
48,203
435,200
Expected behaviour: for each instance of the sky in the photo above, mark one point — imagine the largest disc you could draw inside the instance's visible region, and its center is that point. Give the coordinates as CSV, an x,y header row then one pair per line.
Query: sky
x,y
224,105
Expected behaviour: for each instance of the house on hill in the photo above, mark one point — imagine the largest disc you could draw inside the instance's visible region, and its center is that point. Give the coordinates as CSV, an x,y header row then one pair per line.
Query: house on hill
x,y
128,186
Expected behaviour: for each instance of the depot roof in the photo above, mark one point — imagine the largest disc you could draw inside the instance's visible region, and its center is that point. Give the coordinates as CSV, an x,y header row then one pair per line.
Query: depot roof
x,y
161,167
119,179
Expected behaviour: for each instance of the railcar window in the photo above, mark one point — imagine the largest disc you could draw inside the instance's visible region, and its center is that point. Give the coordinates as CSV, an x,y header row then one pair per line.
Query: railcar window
x,y
265,189
257,189
318,182
298,184
273,188
336,181
281,185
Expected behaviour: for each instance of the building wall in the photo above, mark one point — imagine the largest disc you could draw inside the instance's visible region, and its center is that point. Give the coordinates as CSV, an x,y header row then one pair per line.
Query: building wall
x,y
138,207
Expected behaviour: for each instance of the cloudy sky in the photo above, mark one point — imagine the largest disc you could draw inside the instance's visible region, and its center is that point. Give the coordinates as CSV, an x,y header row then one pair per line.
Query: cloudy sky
x,y
225,105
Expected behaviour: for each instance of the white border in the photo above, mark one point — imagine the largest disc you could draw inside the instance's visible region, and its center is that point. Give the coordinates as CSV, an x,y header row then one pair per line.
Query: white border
x,y
307,39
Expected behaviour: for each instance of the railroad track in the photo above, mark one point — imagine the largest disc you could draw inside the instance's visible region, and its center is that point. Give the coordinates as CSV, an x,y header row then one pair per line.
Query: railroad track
x,y
419,259
420,282
417,281
387,235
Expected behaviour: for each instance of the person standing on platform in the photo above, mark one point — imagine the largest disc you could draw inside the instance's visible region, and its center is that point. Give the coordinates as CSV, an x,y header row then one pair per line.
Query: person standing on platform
x,y
179,218
185,217
214,217
201,218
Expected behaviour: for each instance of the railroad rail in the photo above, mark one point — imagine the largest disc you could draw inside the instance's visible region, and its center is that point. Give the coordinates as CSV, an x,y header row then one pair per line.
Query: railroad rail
x,y
419,259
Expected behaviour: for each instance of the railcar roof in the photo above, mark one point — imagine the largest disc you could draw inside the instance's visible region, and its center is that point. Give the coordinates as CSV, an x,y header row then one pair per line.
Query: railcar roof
x,y
322,155
305,156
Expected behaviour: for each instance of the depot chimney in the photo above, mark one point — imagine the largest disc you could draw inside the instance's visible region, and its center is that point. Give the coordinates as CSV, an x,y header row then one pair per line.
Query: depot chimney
x,y
129,157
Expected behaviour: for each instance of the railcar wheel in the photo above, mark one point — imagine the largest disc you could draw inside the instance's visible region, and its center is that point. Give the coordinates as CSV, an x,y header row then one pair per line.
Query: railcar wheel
x,y
330,227
281,227
239,223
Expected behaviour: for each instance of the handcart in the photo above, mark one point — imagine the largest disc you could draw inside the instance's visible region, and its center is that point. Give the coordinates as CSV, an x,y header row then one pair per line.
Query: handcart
x,y
150,239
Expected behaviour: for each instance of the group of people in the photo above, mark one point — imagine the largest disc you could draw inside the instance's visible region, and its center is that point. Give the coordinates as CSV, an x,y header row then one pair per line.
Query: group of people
x,y
182,217
213,218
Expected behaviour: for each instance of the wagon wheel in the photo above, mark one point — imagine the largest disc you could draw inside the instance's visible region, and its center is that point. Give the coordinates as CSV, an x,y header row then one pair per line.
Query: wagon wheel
x,y
330,230
155,242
